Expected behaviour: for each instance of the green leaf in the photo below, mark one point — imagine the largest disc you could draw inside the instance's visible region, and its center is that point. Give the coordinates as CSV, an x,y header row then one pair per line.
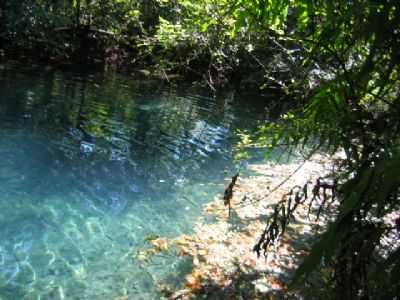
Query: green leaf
x,y
302,12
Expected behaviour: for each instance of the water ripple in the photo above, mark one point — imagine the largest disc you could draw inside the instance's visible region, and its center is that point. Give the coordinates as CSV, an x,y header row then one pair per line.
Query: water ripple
x,y
90,165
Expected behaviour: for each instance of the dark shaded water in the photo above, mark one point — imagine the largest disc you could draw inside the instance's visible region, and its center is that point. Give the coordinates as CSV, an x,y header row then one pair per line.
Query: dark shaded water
x,y
90,164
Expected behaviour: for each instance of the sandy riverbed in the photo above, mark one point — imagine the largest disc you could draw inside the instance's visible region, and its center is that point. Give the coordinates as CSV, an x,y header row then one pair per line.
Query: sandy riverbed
x,y
224,265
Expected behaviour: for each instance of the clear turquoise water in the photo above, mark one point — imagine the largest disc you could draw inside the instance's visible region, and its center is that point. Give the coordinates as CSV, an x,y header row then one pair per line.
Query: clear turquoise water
x,y
91,164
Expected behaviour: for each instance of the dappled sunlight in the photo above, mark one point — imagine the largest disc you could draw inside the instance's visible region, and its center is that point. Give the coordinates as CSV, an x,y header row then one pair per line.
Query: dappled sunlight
x,y
224,264
93,168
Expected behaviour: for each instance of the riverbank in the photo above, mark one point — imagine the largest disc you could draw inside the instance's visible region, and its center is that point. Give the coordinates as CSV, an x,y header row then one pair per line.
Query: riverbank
x,y
224,265
250,82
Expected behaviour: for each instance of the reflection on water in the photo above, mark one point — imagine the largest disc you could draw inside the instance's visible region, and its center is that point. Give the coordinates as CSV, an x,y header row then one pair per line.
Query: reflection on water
x,y
90,164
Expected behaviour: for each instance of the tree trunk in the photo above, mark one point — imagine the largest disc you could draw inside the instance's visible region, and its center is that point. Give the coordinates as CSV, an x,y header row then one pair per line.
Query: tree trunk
x,y
78,14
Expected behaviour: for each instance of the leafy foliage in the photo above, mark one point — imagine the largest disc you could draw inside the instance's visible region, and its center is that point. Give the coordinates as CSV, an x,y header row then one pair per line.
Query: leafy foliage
x,y
338,60
353,105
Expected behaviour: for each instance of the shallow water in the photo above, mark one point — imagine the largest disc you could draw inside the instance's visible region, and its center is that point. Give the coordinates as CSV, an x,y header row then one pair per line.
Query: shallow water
x,y
93,163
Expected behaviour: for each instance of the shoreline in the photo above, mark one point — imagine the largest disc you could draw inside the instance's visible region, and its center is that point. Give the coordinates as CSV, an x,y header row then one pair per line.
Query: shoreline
x,y
224,265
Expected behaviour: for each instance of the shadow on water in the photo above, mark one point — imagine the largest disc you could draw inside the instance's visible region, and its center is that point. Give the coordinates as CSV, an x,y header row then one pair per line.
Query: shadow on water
x,y
91,163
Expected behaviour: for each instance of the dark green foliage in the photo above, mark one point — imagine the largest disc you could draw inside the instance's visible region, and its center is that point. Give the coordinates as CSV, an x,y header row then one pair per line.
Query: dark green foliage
x,y
353,105
338,60
59,30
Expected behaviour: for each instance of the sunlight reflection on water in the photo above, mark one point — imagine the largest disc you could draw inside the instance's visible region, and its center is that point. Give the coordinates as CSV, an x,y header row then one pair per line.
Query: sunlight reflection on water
x,y
90,165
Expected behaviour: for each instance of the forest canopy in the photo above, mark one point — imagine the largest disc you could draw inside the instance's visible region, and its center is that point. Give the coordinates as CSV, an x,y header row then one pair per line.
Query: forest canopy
x,y
337,61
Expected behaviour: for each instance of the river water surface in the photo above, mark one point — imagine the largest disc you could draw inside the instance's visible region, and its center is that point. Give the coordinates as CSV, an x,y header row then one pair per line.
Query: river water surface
x,y
91,164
